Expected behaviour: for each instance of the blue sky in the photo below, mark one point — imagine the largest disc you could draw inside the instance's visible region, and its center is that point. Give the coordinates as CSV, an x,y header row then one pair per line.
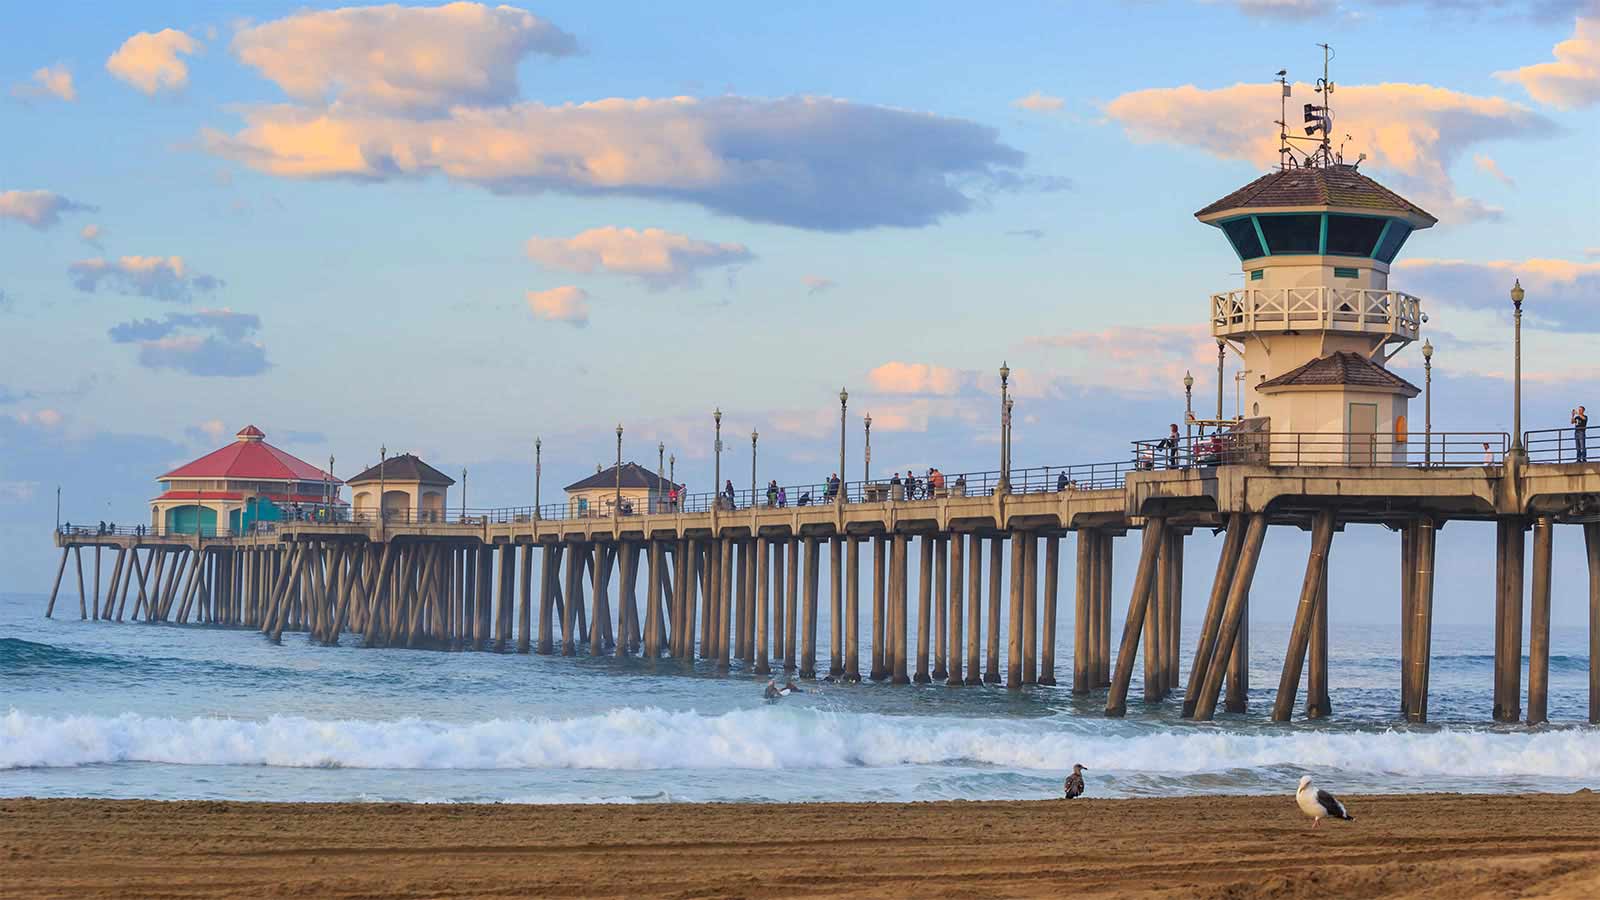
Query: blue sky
x,y
847,195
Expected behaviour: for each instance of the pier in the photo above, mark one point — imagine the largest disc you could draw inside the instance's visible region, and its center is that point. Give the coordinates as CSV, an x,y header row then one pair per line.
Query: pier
x,y
742,587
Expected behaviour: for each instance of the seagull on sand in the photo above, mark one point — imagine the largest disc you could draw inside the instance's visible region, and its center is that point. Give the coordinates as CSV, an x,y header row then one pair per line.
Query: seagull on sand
x,y
1319,804
1074,785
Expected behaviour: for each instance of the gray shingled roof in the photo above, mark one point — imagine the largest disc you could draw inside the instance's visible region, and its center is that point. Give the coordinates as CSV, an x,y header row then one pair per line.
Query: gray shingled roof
x,y
404,467
1344,369
633,476
1336,186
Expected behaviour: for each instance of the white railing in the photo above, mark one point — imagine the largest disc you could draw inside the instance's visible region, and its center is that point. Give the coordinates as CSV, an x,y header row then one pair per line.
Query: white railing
x,y
1325,308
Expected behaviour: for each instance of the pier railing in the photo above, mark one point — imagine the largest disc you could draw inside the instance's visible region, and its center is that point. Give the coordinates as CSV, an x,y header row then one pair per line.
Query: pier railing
x,y
1560,445
1250,310
1457,449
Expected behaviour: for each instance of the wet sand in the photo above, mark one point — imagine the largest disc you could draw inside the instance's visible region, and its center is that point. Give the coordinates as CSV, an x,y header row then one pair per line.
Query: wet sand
x,y
1446,846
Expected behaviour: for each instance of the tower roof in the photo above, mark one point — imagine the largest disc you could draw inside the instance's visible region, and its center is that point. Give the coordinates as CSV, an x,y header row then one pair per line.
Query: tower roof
x,y
405,467
1341,369
1336,187
633,476
251,457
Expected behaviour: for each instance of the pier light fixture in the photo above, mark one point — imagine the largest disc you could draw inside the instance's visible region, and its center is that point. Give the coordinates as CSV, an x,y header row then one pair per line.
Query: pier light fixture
x,y
866,465
1005,436
754,436
463,493
844,402
538,466
1516,377
383,458
616,502
1188,405
716,478
1427,402
1222,358
661,466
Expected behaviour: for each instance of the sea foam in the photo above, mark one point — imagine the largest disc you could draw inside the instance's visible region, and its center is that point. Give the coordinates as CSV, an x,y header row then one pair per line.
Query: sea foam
x,y
771,738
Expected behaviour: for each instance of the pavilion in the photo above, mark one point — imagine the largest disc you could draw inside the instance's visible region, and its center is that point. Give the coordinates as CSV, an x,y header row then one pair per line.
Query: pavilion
x,y
237,486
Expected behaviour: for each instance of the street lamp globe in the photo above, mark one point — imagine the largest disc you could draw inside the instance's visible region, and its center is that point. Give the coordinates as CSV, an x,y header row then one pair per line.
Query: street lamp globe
x,y
1188,380
844,396
1517,293
1427,350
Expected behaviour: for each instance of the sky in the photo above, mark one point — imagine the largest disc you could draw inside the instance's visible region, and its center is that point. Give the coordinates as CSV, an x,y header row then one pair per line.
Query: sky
x,y
453,229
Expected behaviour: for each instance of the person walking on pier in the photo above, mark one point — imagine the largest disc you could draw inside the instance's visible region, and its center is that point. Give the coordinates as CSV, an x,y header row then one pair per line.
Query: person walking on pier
x,y
1580,433
727,494
896,488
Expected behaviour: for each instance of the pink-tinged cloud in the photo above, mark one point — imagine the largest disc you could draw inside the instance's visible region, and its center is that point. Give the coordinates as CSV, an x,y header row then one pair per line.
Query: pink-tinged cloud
x,y
46,82
1572,81
808,162
1411,133
1040,103
151,63
91,234
563,304
914,378
816,284
658,258
1488,166
207,342
1131,359
42,418
1284,9
37,209
159,277
1560,293
409,60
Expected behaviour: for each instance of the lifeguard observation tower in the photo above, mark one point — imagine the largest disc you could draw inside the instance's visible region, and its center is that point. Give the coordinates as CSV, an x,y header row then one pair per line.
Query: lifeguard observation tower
x,y
1316,322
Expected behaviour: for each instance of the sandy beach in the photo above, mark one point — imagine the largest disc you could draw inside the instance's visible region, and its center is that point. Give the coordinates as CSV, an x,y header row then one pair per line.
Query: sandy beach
x,y
1452,846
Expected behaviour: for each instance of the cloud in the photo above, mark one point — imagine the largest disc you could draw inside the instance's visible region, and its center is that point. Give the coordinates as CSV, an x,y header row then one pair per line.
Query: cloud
x,y
660,259
1040,103
1035,233
1284,9
1488,166
17,491
43,418
807,162
1412,133
49,81
37,209
208,342
1572,81
159,277
563,304
816,284
91,235
1521,10
1561,293
411,60
1130,359
210,431
150,62
914,378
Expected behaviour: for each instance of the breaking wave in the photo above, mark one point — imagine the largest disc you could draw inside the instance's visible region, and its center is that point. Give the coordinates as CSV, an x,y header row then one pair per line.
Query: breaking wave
x,y
771,739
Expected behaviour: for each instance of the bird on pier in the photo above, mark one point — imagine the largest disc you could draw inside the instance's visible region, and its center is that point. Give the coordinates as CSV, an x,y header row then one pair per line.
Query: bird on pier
x,y
1319,804
1074,785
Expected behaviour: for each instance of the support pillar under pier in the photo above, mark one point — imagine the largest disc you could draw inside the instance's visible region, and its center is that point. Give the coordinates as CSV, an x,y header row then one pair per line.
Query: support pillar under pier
x,y
1539,624
1138,608
1422,621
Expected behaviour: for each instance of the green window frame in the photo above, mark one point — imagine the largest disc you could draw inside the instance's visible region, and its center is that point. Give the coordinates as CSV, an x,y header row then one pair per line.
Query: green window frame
x,y
1342,272
1257,274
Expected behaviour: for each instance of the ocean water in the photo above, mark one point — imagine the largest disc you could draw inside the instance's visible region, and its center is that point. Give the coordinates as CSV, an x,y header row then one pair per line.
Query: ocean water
x,y
157,711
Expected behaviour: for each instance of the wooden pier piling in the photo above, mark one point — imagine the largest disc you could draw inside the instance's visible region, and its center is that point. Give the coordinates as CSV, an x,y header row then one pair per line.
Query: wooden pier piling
x,y
1539,624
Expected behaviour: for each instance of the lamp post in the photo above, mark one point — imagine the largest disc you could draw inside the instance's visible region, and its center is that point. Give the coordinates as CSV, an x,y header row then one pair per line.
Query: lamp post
x,y
328,489
716,478
866,461
616,502
754,436
1011,404
1005,456
1222,358
463,493
1427,403
538,466
383,463
661,469
1516,378
844,403
1188,407
672,469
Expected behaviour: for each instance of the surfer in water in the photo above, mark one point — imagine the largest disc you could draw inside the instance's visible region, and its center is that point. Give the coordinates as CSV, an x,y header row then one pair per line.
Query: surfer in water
x,y
772,692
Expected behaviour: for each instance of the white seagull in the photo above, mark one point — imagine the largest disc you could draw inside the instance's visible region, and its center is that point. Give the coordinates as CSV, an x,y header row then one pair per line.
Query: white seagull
x,y
1319,804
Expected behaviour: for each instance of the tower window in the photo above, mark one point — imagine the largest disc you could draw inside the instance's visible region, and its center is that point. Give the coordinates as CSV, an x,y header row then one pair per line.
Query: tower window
x,y
1394,237
1353,235
1292,233
1258,274
1342,272
1242,234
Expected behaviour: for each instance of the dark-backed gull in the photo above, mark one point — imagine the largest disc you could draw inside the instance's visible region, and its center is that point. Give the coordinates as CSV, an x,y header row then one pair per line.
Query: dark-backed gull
x,y
1319,804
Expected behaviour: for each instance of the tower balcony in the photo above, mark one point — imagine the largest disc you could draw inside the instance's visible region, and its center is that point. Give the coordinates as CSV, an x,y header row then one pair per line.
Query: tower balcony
x,y
1389,315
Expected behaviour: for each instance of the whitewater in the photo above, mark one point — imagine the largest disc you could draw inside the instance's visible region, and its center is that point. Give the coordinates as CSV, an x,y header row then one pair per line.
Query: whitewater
x,y
155,711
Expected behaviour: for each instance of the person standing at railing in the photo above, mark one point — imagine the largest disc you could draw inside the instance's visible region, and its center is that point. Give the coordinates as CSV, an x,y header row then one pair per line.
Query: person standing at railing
x,y
1580,433
1488,455
727,494
783,498
896,488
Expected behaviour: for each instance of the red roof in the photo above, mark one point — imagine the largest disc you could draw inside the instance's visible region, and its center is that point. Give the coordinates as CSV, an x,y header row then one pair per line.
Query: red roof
x,y
251,457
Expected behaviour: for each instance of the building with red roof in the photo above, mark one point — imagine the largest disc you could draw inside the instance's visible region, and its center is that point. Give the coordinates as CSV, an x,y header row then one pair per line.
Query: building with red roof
x,y
229,490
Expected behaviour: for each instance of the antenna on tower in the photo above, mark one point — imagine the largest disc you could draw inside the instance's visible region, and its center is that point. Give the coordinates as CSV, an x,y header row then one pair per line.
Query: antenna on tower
x,y
1318,123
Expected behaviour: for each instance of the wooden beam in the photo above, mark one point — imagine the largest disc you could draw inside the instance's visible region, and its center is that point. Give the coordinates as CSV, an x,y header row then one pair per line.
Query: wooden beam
x,y
925,580
1232,616
50,607
1138,608
1305,616
1539,624
958,576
